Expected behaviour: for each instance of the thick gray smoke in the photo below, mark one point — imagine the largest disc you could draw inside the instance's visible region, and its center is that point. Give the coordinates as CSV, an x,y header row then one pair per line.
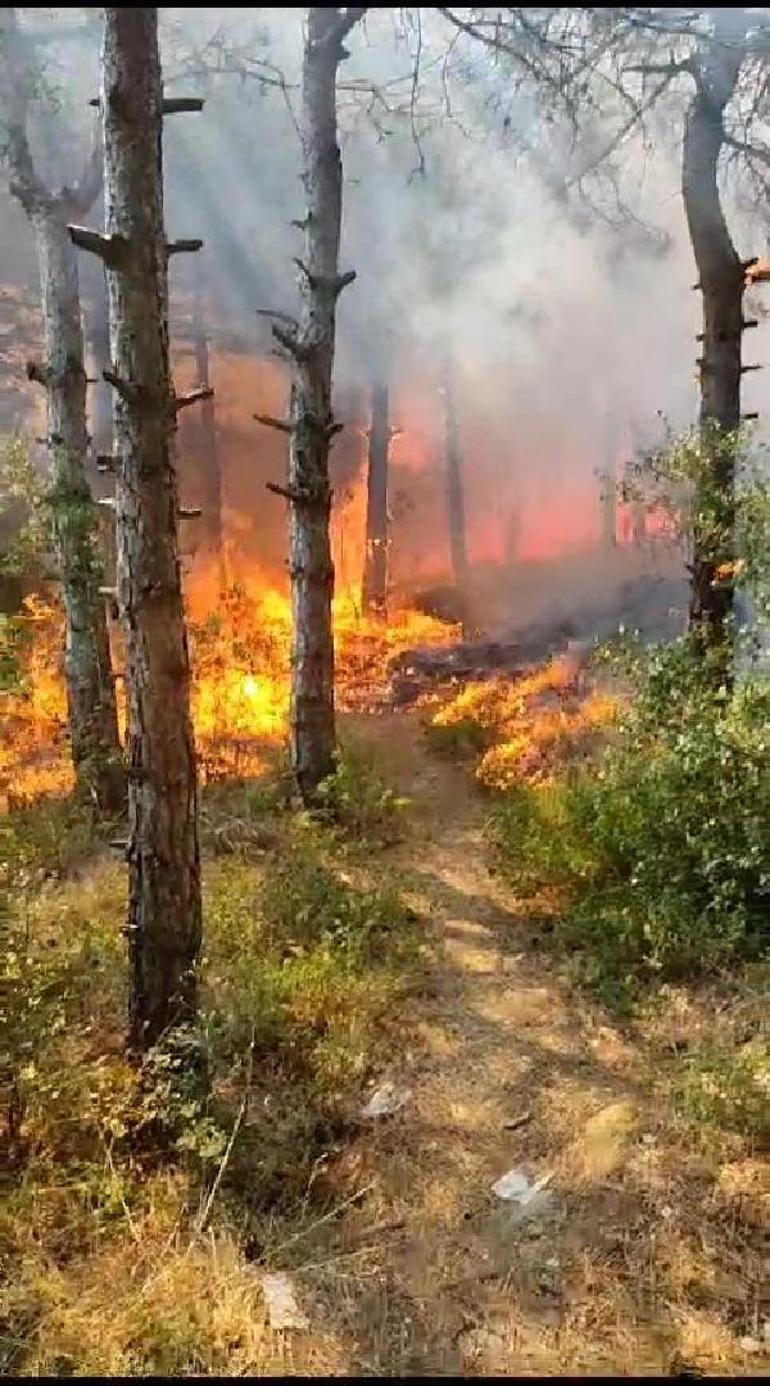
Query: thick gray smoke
x,y
570,332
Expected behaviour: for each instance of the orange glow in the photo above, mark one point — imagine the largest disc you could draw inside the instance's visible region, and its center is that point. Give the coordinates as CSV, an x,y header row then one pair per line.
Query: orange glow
x,y
240,686
518,510
532,724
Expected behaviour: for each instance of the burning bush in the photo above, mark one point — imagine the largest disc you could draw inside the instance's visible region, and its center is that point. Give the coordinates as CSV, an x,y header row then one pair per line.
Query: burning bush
x,y
240,693
525,728
657,851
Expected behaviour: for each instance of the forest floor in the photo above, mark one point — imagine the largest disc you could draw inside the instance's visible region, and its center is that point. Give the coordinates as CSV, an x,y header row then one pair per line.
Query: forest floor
x,y
642,1253
639,1254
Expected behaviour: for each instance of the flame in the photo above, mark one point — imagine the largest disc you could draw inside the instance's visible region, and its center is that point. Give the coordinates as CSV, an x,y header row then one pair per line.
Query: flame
x,y
533,724
240,656
33,713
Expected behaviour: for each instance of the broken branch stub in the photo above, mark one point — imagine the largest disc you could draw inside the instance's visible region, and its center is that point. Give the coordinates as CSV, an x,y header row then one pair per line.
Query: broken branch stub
x,y
178,105
192,397
110,249
282,425
183,247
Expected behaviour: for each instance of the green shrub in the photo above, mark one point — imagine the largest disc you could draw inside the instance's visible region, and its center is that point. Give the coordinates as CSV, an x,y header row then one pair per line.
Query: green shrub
x,y
659,852
357,798
466,737
727,1089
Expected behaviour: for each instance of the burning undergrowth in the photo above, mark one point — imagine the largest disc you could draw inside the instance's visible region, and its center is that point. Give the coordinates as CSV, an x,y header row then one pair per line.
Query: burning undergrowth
x,y
240,692
524,727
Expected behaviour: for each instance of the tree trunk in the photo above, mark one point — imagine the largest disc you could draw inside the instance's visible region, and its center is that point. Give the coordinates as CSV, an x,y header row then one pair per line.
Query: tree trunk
x,y
609,484
311,349
212,498
376,561
90,690
100,425
638,523
721,280
454,487
164,912
100,413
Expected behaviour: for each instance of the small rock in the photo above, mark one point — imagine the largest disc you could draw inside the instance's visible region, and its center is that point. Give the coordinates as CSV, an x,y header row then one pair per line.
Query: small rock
x,y
384,1102
748,1344
281,1303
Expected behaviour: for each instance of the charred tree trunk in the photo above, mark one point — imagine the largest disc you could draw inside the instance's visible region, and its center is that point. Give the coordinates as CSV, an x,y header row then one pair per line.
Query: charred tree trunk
x,y
376,563
92,712
212,499
454,488
721,281
311,349
164,912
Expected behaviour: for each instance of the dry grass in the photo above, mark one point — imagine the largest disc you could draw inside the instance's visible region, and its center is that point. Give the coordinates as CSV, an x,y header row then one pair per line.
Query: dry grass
x,y
645,1259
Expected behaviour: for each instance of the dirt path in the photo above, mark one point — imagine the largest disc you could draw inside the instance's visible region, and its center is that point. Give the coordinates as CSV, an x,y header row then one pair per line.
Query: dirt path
x,y
509,1068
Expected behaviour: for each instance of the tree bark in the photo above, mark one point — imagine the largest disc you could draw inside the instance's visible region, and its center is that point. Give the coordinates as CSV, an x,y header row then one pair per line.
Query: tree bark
x,y
311,348
375,582
721,280
100,426
164,913
100,412
93,724
212,498
454,487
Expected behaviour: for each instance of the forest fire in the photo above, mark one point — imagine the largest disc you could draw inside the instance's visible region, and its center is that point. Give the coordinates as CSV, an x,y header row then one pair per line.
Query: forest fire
x,y
240,691
524,728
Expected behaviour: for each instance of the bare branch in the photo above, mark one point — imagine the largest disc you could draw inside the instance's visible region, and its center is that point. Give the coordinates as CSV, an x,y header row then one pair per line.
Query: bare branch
x,y
183,247
282,425
178,105
127,389
109,248
296,497
180,402
291,343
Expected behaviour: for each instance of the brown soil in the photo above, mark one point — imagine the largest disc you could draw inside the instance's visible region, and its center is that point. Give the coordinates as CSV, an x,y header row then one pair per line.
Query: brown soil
x,y
644,1259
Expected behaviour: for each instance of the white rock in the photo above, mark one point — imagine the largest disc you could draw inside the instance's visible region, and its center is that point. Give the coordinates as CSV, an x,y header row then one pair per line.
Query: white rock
x,y
384,1102
750,1344
281,1303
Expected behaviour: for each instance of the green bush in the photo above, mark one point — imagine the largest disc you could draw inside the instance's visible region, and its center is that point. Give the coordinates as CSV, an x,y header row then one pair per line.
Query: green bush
x,y
659,852
357,798
727,1089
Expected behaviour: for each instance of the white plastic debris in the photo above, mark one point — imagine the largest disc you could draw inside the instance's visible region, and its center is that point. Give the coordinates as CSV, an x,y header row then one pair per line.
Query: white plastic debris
x,y
515,1187
384,1102
281,1303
